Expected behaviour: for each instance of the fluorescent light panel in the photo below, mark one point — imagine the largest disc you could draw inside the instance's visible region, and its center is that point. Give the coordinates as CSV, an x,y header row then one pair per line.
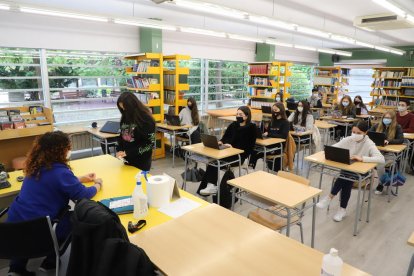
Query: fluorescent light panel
x,y
314,32
211,8
142,24
278,43
360,43
4,7
245,38
63,14
390,6
307,48
410,18
203,32
326,51
272,22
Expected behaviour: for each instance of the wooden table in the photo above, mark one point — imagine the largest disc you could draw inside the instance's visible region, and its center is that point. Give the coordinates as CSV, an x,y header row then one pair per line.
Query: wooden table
x,y
300,137
70,130
398,152
341,121
256,117
278,191
213,157
213,115
325,126
411,267
410,138
362,170
101,137
269,145
118,180
216,241
173,131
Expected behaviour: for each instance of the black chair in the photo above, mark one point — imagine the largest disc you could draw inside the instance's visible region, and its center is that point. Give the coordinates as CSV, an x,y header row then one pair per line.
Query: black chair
x,y
28,239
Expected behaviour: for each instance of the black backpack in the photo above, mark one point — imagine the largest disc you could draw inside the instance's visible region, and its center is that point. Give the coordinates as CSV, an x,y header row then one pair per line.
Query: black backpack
x,y
225,190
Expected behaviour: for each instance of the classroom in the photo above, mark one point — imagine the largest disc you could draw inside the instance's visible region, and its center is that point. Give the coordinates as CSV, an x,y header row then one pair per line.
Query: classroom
x,y
206,137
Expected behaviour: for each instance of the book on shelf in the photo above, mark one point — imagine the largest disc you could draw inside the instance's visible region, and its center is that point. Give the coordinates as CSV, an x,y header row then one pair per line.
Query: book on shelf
x,y
407,81
388,74
258,104
325,81
259,69
169,96
146,97
410,72
387,83
259,81
6,125
143,66
141,83
169,80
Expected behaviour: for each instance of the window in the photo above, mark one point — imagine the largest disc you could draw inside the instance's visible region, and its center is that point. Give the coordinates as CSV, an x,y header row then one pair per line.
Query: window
x,y
301,81
85,86
360,81
227,83
20,77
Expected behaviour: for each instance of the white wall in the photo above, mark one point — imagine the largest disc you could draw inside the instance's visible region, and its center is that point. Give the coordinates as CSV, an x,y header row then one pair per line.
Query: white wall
x,y
34,31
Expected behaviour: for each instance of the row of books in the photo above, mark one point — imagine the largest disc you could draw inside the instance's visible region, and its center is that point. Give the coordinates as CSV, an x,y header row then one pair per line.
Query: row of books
x,y
169,97
20,125
388,74
142,83
142,66
407,81
410,72
389,83
146,97
262,92
261,69
386,92
260,81
258,104
169,80
325,81
386,102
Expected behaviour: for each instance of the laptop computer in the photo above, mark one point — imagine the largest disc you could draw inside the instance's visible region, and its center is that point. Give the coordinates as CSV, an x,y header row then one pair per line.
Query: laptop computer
x,y
259,134
173,120
111,127
266,109
358,111
338,155
377,137
211,141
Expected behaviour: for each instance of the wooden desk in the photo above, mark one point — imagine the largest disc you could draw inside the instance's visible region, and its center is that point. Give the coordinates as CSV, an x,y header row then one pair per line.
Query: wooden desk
x,y
216,241
409,136
269,145
278,191
364,116
212,157
68,129
362,170
341,121
411,266
300,137
325,126
173,131
101,137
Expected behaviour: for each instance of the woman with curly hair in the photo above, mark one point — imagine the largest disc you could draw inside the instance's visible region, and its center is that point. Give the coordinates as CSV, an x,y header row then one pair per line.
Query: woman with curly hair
x,y
48,186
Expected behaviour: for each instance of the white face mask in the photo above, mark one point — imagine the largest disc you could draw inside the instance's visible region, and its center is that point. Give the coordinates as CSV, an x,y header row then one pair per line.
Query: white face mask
x,y
401,108
300,108
68,154
345,103
278,99
357,137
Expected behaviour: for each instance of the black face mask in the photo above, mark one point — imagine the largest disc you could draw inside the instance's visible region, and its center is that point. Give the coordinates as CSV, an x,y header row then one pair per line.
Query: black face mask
x,y
275,114
190,107
239,119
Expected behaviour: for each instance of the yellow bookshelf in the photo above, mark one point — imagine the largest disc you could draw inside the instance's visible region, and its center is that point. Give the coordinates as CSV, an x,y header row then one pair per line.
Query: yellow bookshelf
x,y
331,82
147,83
176,81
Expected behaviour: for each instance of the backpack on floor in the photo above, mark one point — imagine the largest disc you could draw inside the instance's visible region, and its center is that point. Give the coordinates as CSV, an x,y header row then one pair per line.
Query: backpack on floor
x,y
225,190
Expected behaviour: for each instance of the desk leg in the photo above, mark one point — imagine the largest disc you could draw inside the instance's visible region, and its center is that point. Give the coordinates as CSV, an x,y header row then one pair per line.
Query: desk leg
x,y
320,178
185,171
411,267
346,129
218,182
173,147
391,179
240,165
106,146
281,158
288,222
297,153
233,198
358,206
264,159
92,145
313,222
369,195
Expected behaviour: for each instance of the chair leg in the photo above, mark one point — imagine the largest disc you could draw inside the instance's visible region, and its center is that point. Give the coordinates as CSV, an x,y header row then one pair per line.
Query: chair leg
x,y
57,264
411,267
301,231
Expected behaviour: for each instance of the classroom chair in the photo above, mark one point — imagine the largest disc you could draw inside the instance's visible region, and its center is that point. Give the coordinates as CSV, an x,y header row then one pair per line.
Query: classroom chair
x,y
30,239
278,221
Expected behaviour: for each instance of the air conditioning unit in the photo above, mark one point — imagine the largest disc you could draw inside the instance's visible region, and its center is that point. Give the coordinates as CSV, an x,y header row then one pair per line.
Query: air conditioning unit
x,y
385,21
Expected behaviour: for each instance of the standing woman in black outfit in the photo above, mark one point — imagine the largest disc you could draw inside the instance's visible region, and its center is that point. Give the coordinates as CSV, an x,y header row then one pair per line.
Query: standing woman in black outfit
x,y
241,135
137,137
278,128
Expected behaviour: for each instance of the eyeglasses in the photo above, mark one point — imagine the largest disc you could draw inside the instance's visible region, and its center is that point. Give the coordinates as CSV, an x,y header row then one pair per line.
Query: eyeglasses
x,y
132,228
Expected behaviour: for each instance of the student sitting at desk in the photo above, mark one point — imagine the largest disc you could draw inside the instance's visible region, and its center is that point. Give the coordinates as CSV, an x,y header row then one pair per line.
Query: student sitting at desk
x,y
346,109
394,135
137,137
241,135
404,118
278,128
302,119
315,100
189,116
361,149
360,104
48,186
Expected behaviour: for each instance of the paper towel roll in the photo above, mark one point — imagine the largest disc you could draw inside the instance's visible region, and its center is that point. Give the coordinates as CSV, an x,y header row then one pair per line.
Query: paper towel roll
x,y
158,190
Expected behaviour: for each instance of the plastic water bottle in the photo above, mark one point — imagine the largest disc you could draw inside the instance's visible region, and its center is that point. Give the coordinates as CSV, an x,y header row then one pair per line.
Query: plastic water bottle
x,y
332,264
139,199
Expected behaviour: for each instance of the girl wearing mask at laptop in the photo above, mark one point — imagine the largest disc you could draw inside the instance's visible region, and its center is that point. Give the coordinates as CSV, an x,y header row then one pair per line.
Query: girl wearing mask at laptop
x,y
361,149
241,135
137,136
189,116
278,128
393,135
360,104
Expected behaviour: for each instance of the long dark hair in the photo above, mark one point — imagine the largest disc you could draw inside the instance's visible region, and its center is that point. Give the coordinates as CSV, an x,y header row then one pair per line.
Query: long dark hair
x,y
247,112
361,104
305,112
282,111
47,149
194,111
134,111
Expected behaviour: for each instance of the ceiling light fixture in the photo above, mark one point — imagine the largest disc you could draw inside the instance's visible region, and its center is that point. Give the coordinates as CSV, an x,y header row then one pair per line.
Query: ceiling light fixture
x,y
144,24
344,39
302,47
397,52
380,48
343,53
211,8
363,44
326,51
63,14
391,7
410,18
245,38
278,43
314,32
4,7
202,32
272,22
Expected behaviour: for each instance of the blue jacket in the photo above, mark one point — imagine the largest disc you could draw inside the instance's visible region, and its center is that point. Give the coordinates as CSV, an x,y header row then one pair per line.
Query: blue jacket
x,y
48,195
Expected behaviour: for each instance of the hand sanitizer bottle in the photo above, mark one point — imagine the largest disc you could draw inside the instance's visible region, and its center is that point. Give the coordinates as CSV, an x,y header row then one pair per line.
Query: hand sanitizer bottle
x,y
331,264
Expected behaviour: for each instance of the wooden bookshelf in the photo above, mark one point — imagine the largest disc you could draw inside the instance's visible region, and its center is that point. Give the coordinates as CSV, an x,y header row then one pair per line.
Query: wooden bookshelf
x,y
331,81
267,80
176,81
17,142
149,66
390,84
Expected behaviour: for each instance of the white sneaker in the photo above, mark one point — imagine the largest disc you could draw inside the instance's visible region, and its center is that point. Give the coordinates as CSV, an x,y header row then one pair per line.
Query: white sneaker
x,y
340,215
211,189
324,202
378,192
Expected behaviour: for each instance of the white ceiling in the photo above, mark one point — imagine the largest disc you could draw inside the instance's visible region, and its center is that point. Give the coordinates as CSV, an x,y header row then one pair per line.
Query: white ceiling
x,y
330,15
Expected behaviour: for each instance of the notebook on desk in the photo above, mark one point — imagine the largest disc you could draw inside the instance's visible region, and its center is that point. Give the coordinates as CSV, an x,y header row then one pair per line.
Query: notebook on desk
x,y
111,127
338,155
119,205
